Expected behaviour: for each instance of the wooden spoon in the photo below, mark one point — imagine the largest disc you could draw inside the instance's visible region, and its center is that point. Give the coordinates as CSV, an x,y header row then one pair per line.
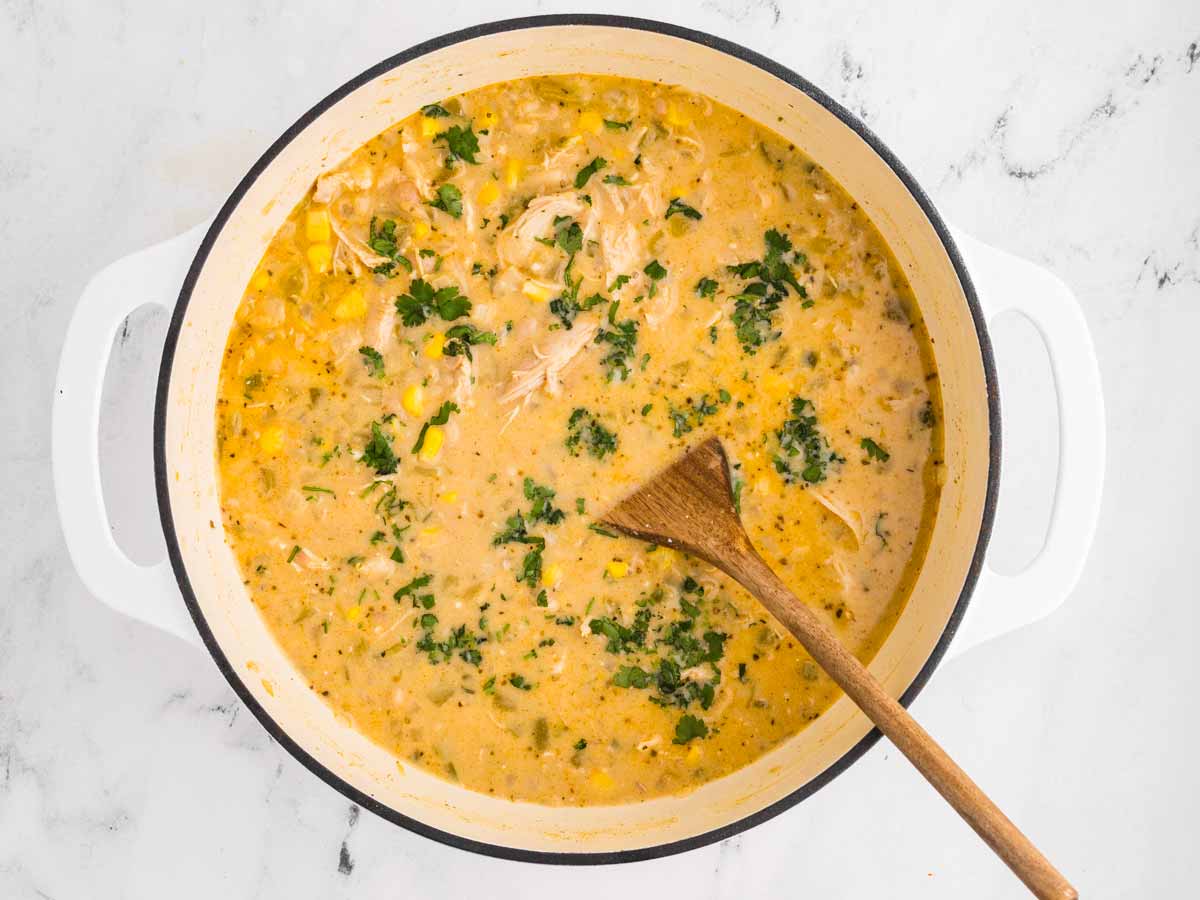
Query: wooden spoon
x,y
689,506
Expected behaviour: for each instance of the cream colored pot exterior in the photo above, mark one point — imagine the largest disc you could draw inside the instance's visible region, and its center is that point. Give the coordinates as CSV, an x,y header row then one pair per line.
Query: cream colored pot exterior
x,y
236,632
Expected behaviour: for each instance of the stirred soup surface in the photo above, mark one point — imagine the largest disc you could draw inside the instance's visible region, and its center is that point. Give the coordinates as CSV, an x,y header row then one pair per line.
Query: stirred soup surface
x,y
495,319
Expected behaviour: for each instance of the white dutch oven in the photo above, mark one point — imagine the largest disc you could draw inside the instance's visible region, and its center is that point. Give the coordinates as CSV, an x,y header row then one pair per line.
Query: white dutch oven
x,y
214,262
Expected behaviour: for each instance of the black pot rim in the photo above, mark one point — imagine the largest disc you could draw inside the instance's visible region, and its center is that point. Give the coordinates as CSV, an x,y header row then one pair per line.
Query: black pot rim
x,y
161,474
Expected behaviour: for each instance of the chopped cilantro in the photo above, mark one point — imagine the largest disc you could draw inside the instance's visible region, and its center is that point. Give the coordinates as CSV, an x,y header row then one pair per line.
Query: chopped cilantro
x,y
378,453
770,280
706,287
800,435
657,273
612,125
449,200
373,360
422,301
519,682
691,415
441,417
589,170
689,727
678,207
621,638
411,589
622,337
461,338
382,241
435,111
874,451
584,431
619,282
460,142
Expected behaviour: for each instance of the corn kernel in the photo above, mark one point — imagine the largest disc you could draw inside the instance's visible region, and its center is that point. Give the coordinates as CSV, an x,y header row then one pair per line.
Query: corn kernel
x,y
677,116
591,121
617,568
552,575
260,281
450,497
602,780
694,754
434,346
489,194
271,440
429,127
351,305
319,257
354,613
537,291
413,400
316,226
433,443
420,230
512,172
430,529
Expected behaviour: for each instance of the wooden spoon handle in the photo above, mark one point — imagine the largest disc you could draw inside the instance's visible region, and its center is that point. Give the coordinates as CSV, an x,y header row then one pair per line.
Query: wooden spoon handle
x,y
902,730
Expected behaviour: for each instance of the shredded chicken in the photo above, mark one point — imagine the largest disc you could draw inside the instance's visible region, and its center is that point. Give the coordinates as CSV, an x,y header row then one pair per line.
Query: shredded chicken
x,y
548,366
464,381
344,341
381,324
518,241
369,257
661,308
333,183
622,249
849,517
308,560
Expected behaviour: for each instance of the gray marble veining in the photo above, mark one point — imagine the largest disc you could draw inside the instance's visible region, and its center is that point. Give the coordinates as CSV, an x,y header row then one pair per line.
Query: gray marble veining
x,y
1068,133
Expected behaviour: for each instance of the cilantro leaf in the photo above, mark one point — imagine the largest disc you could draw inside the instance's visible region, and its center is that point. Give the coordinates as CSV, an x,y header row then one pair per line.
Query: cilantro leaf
x,y
449,200
422,301
461,338
461,143
677,206
441,417
382,241
589,170
378,453
874,451
584,430
373,360
687,728
798,436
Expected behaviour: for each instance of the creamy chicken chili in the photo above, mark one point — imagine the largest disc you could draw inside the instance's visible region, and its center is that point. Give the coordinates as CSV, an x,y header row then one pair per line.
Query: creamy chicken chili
x,y
488,324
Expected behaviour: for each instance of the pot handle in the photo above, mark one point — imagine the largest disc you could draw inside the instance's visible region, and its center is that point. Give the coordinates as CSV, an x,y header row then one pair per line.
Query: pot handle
x,y
147,593
1003,603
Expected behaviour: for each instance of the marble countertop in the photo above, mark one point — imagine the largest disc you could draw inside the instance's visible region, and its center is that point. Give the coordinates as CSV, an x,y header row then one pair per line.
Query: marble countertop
x,y
1068,133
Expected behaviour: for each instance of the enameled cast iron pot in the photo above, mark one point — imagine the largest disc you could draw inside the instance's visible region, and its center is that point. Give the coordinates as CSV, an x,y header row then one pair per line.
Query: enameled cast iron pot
x,y
202,568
